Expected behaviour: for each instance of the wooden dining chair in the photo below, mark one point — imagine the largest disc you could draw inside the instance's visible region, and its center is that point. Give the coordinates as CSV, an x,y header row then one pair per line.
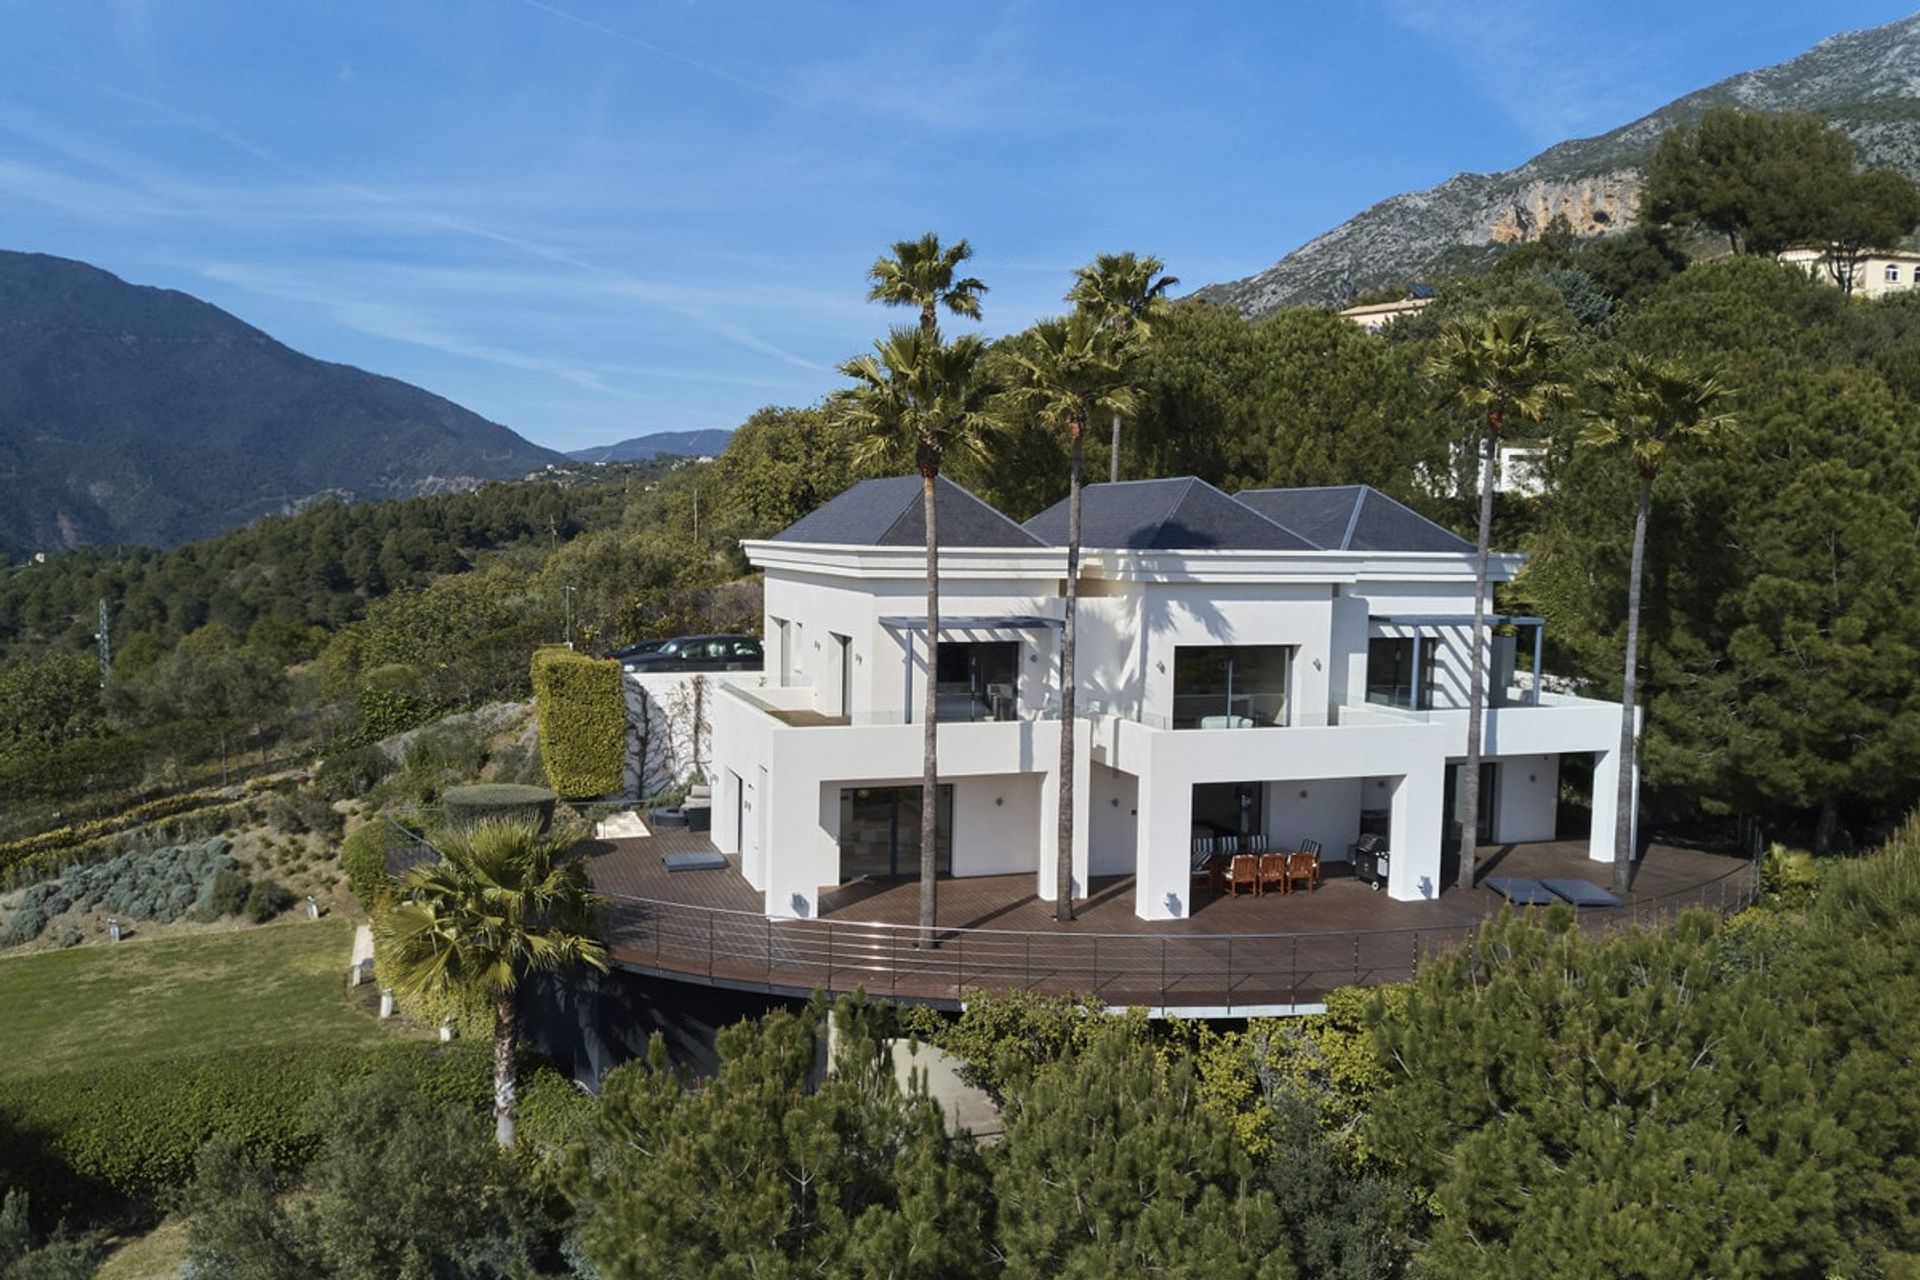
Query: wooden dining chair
x,y
1273,872
1303,866
1205,868
1244,870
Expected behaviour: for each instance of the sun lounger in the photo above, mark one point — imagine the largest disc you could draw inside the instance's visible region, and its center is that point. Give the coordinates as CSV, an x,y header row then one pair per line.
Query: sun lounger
x,y
694,861
1520,891
1580,893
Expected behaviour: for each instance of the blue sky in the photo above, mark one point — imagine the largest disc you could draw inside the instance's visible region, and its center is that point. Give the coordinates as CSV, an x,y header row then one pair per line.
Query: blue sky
x,y
591,220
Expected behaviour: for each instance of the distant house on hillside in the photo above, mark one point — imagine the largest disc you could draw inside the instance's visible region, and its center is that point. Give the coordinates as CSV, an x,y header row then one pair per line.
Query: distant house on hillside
x,y
1875,273
1378,315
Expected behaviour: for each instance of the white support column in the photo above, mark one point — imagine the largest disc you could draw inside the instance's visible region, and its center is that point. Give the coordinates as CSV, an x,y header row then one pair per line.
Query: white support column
x,y
1163,885
1606,805
1413,840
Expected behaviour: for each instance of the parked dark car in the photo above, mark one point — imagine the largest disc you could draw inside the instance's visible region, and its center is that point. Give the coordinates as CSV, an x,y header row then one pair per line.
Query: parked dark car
x,y
635,650
700,653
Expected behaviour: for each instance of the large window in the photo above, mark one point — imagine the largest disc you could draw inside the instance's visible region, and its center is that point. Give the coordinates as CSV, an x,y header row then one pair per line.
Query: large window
x,y
1231,686
1391,678
880,832
978,680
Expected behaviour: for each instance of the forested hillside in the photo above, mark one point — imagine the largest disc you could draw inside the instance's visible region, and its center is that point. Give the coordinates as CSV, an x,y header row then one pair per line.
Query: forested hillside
x,y
130,414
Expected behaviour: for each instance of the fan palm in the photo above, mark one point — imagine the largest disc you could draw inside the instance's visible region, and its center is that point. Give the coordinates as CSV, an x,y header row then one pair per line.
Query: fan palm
x,y
916,399
1124,291
1502,369
922,274
1648,409
502,903
1066,371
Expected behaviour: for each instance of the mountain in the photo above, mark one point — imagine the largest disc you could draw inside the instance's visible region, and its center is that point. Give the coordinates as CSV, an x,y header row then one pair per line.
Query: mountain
x,y
1865,82
133,414
686,444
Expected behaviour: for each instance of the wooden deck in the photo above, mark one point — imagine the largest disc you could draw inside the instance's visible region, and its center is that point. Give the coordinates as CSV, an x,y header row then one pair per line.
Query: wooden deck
x,y
1230,956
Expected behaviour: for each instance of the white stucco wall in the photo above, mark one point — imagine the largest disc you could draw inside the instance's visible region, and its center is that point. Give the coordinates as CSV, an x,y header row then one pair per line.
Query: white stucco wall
x,y
1526,798
1113,822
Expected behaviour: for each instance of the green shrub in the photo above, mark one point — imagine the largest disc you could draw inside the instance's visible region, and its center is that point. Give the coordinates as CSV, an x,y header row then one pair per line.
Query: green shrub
x,y
120,1131
350,772
502,801
392,699
1790,877
267,899
363,860
229,894
582,722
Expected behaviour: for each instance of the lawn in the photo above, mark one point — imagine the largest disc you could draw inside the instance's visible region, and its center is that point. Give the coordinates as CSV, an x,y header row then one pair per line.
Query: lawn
x,y
280,984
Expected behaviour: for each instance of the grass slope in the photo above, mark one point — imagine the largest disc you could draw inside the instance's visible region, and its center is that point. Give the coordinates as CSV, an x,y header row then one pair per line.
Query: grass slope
x,y
274,985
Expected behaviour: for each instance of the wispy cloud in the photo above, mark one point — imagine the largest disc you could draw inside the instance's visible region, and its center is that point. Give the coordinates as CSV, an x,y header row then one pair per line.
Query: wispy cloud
x,y
1551,80
392,207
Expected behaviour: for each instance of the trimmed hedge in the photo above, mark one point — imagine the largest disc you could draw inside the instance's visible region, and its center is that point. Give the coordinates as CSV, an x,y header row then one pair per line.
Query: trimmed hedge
x,y
506,801
125,1131
363,860
583,722
18,852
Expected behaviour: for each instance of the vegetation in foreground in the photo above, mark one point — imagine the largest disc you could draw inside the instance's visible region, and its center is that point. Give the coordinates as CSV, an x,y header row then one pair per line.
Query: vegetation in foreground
x,y
1714,1098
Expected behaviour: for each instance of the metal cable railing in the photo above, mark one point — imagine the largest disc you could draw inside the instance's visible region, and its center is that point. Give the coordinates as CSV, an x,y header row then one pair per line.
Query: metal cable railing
x,y
1220,973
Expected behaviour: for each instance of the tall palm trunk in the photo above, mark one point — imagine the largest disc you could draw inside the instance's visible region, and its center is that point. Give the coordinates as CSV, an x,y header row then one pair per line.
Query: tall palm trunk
x,y
1063,875
1469,810
930,762
1113,470
506,1033
1629,689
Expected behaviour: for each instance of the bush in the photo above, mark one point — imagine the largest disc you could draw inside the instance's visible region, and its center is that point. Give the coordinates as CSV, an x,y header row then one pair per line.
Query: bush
x,y
229,894
1789,877
582,722
363,860
267,899
350,772
121,1131
466,806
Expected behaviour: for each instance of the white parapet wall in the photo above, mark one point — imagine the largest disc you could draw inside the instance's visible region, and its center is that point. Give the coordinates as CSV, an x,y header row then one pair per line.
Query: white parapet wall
x,y
670,726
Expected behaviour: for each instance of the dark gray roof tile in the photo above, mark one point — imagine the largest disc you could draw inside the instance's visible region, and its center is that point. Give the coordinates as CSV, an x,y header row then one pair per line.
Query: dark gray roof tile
x,y
889,513
1353,517
1180,514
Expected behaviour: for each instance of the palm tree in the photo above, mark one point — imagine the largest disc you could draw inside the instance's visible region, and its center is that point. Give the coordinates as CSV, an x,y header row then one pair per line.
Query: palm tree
x,y
1648,409
1067,370
920,274
1500,368
918,398
502,903
1124,291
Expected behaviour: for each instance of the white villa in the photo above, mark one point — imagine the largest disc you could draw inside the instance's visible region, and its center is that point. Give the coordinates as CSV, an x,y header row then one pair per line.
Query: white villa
x,y
1290,663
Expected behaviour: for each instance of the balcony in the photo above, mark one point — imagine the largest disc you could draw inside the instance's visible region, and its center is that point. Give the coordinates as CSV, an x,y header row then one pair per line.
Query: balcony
x,y
793,706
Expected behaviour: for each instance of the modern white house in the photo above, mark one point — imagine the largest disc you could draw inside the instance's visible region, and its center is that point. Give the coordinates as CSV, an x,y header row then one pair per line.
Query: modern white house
x,y
1290,663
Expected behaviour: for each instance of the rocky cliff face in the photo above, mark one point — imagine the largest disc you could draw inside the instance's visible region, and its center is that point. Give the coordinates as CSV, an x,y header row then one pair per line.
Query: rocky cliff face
x,y
1866,82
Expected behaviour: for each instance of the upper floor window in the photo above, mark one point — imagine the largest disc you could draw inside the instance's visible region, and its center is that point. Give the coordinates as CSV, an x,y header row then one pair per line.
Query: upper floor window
x,y
1392,680
978,680
1231,686
1893,275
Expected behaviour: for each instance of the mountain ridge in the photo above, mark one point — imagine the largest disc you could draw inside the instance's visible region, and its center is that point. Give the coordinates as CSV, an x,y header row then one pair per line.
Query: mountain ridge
x,y
1865,82
130,413
692,444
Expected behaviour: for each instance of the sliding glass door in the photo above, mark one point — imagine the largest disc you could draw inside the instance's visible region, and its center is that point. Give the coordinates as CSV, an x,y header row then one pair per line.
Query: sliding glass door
x,y
880,832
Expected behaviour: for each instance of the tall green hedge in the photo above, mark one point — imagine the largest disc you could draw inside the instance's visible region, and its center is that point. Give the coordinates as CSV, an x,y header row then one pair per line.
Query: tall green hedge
x,y
583,722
